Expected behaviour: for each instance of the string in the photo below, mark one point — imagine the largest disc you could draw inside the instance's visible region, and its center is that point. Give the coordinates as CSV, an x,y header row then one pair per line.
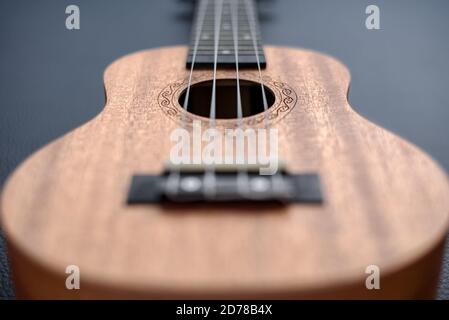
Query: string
x,y
235,27
209,176
199,28
276,179
242,174
174,176
250,13
217,27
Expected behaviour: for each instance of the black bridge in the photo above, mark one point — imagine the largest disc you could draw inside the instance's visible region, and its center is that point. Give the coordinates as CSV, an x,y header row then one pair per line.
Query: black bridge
x,y
224,186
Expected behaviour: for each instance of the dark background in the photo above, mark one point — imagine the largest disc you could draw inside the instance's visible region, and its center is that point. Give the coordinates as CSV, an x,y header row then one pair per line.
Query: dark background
x,y
51,78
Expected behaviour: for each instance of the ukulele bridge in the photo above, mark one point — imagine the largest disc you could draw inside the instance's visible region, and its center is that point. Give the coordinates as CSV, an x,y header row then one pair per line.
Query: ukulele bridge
x,y
223,185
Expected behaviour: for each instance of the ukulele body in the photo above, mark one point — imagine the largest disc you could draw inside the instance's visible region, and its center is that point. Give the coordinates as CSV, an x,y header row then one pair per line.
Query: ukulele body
x,y
386,203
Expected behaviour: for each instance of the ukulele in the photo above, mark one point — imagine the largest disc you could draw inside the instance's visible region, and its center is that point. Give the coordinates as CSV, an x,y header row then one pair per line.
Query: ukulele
x,y
111,210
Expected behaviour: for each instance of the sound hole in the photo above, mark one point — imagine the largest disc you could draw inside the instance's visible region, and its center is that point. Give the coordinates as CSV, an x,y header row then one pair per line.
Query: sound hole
x,y
226,98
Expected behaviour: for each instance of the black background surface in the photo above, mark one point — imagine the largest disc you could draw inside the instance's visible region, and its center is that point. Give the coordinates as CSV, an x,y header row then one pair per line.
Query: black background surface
x,y
51,78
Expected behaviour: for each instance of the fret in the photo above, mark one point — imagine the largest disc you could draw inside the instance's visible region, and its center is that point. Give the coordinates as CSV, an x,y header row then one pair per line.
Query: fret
x,y
205,38
228,61
226,55
227,50
228,41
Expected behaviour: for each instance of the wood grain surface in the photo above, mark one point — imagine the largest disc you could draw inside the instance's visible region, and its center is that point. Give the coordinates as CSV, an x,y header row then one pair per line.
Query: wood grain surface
x,y
386,202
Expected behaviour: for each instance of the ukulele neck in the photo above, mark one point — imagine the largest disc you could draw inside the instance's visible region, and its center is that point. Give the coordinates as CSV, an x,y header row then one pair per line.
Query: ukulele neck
x,y
220,29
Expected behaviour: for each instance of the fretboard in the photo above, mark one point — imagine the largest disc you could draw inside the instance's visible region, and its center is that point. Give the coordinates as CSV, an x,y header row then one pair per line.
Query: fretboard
x,y
245,24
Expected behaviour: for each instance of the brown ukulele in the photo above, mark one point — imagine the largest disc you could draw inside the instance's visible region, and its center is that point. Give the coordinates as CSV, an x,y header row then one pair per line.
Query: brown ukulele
x,y
118,209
